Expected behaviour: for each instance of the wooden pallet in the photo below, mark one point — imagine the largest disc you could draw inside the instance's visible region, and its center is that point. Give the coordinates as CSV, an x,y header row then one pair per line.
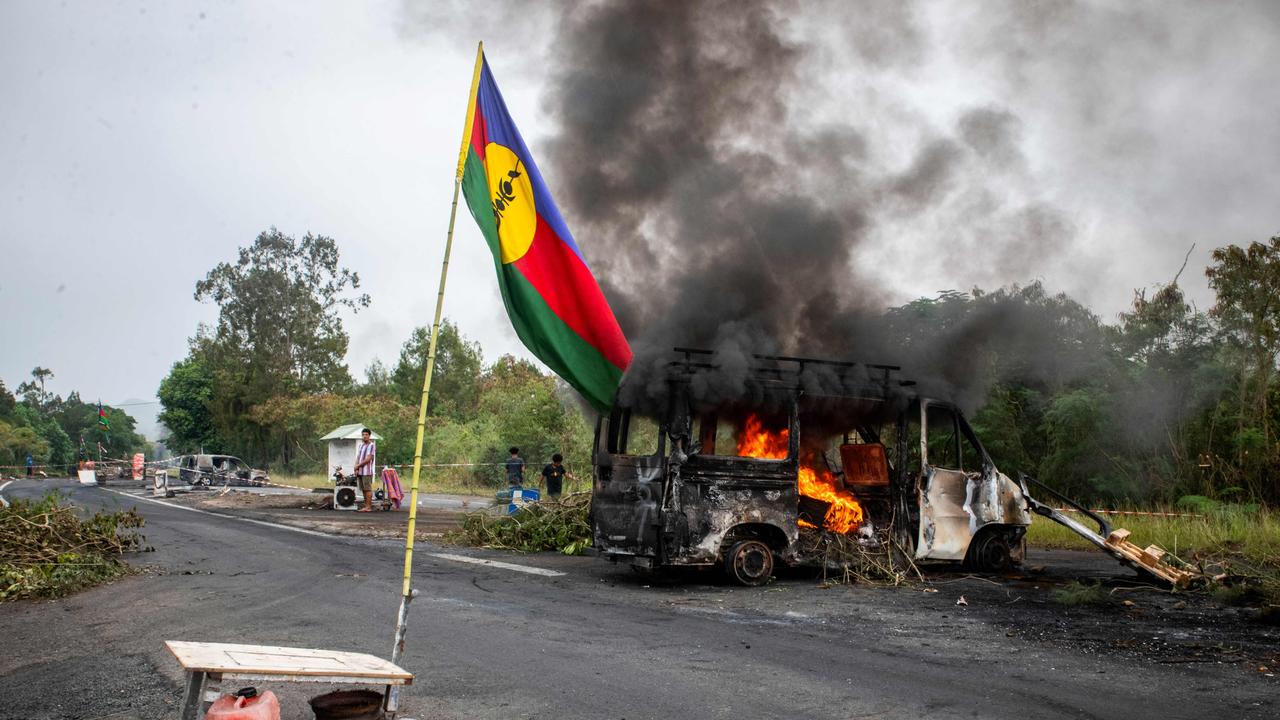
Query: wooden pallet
x,y
1154,559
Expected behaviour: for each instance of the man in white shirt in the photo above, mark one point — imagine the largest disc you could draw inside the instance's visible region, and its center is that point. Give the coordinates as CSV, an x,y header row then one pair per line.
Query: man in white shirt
x,y
365,454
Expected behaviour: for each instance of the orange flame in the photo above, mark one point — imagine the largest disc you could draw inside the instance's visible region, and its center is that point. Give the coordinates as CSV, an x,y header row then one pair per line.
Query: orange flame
x,y
844,514
757,442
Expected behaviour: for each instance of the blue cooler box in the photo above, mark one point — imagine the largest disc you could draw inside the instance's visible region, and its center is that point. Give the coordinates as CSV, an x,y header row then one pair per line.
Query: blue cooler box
x,y
521,497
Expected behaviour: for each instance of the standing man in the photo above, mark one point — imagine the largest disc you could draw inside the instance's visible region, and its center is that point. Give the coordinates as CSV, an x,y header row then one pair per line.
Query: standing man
x,y
553,475
365,454
31,464
515,469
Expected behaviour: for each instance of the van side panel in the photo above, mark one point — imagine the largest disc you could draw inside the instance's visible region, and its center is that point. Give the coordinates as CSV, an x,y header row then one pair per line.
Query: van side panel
x,y
719,494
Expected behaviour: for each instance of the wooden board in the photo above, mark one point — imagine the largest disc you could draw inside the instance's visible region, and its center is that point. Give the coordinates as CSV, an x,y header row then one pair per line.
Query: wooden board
x,y
227,658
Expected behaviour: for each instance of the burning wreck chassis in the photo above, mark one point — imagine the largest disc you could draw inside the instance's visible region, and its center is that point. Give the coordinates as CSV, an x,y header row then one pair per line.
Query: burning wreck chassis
x,y
812,445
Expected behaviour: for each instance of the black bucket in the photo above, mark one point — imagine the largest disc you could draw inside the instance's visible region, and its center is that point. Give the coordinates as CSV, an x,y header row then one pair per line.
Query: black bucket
x,y
348,705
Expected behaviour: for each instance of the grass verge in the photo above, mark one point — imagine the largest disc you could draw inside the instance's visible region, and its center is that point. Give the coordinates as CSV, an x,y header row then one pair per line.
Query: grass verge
x,y
1254,535
48,551
1241,542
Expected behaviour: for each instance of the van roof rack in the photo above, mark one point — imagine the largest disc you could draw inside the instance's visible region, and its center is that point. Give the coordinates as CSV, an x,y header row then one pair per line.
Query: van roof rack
x,y
886,372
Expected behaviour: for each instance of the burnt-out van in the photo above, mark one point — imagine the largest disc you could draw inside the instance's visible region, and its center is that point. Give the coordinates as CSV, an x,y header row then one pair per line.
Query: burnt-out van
x,y
736,464
842,447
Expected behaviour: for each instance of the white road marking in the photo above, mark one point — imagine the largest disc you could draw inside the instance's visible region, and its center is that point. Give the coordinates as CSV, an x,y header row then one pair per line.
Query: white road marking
x,y
497,564
264,523
443,556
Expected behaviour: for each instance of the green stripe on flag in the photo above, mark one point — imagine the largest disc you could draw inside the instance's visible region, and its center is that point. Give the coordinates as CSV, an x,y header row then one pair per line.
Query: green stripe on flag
x,y
555,343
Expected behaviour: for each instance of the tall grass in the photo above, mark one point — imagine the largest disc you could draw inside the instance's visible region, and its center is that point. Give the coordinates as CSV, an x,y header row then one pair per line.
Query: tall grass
x,y
1224,532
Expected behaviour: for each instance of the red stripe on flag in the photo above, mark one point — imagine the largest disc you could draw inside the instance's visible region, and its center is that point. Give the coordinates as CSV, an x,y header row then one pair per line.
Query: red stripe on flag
x,y
570,290
479,133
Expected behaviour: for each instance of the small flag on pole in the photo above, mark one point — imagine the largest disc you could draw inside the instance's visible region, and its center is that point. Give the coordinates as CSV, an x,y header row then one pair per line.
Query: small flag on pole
x,y
102,417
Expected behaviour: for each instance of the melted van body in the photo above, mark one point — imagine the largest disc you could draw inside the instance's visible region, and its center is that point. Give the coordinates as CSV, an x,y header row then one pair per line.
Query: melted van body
x,y
841,447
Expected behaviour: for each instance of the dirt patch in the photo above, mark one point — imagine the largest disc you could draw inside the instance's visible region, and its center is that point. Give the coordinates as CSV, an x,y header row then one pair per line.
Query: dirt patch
x,y
252,501
311,511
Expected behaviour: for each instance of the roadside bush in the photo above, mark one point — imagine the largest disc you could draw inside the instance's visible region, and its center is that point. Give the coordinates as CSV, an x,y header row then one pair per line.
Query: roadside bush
x,y
47,550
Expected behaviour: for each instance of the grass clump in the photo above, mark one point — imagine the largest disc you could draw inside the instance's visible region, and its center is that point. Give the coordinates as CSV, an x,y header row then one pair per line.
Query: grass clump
x,y
48,551
1076,593
548,525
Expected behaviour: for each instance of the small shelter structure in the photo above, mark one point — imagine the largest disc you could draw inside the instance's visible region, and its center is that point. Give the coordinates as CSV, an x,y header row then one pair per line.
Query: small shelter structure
x,y
342,448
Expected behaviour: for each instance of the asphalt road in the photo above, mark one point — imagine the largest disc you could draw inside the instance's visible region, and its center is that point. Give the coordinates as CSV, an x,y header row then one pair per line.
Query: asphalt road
x,y
593,643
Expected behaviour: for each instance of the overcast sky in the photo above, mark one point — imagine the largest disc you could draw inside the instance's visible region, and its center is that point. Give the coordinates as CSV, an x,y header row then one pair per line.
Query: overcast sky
x,y
141,143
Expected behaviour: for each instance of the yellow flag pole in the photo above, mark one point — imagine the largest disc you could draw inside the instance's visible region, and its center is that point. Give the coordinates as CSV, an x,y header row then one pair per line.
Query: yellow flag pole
x,y
406,593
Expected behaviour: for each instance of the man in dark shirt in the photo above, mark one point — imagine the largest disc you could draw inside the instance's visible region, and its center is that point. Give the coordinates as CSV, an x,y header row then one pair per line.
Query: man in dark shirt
x,y
553,475
515,469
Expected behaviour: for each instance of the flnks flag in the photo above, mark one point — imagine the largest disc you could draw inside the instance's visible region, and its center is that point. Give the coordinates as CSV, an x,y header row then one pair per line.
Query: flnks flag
x,y
554,302
102,417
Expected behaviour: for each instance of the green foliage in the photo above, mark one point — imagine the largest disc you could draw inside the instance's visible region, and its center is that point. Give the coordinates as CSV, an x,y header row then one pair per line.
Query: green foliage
x,y
1247,283
32,391
549,525
79,419
278,328
1168,402
17,442
7,402
1078,441
48,550
455,385
278,335
186,398
531,411
61,449
294,425
1007,425
1076,593
44,425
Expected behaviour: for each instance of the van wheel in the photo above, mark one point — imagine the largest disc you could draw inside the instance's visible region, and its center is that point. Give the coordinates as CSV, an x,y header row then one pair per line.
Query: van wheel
x,y
749,562
990,552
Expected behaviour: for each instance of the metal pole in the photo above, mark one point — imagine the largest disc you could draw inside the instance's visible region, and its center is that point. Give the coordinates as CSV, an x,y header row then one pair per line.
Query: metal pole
x,y
406,593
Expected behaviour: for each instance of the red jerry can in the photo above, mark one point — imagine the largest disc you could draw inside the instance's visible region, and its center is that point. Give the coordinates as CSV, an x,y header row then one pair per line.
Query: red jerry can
x,y
246,704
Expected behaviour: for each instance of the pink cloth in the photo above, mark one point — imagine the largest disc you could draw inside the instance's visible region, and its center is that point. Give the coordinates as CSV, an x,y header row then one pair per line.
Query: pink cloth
x,y
391,481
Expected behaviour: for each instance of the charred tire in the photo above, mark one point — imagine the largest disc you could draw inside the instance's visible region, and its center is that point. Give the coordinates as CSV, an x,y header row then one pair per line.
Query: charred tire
x,y
991,552
749,562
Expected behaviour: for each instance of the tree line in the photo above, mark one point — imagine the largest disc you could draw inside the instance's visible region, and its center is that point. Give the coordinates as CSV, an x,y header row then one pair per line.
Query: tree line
x,y
58,432
1169,401
268,379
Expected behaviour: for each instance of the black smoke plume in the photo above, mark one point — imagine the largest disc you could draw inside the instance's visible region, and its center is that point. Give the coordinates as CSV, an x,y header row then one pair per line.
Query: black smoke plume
x,y
717,215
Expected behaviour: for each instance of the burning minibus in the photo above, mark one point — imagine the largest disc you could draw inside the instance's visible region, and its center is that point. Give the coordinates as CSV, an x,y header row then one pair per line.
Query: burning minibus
x,y
698,479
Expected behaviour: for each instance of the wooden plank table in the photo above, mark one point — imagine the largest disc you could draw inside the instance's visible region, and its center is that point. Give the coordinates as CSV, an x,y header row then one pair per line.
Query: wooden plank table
x,y
207,665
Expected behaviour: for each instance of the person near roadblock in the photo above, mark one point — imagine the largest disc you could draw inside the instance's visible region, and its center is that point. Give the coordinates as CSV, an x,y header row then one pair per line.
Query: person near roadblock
x,y
31,465
553,475
515,469
365,454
